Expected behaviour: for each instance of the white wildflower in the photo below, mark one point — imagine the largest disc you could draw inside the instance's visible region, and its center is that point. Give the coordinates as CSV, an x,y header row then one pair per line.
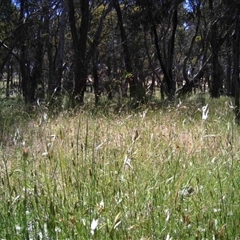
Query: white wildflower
x,y
205,112
167,213
127,162
168,237
94,225
101,204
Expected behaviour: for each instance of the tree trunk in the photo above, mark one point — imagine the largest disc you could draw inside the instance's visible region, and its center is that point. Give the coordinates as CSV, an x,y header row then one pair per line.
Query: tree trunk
x,y
80,46
137,91
55,53
170,81
165,55
228,81
236,39
60,50
189,52
24,65
8,79
96,78
30,63
214,91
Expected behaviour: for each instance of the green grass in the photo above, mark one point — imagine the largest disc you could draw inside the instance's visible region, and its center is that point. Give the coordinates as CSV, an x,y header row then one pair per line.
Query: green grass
x,y
111,173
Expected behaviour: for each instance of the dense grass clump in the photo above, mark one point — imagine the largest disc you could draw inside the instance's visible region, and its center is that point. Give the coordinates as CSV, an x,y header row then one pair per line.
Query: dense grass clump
x,y
149,173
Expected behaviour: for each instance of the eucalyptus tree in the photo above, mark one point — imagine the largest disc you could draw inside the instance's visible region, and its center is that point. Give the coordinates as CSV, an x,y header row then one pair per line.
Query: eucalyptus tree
x,y
30,45
54,37
112,59
218,16
30,48
8,25
194,13
161,18
97,34
236,54
136,89
234,7
80,18
195,48
28,41
212,24
79,39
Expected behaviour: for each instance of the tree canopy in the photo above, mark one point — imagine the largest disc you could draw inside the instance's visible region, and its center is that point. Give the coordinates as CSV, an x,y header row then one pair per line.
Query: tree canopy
x,y
119,48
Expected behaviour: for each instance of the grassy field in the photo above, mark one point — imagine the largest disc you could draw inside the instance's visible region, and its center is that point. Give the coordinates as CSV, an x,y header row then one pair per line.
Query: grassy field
x,y
156,172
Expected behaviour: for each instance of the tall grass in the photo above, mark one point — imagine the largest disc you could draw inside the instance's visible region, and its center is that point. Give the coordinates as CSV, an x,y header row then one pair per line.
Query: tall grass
x,y
112,173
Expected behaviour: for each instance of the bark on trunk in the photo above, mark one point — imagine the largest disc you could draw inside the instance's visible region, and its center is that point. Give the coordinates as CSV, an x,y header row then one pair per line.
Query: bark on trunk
x,y
236,72
80,45
165,55
214,91
137,91
60,50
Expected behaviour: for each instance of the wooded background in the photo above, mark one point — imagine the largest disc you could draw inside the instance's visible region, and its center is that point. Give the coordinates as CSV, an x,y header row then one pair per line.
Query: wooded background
x,y
128,48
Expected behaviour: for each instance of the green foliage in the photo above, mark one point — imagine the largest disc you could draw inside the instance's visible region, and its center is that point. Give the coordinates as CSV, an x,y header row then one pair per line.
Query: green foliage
x,y
127,75
13,116
142,174
8,17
